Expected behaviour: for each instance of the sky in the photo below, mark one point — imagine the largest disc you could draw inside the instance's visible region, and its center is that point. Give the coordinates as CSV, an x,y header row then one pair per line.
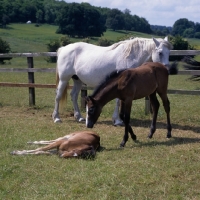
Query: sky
x,y
156,12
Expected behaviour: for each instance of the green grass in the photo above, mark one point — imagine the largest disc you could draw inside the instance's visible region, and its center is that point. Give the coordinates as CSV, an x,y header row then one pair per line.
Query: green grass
x,y
159,168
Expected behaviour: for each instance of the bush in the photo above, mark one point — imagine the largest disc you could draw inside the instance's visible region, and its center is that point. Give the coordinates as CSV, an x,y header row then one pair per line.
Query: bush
x,y
4,48
104,42
54,45
179,43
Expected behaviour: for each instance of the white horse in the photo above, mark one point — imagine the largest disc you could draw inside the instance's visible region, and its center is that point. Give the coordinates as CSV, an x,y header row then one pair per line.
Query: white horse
x,y
89,64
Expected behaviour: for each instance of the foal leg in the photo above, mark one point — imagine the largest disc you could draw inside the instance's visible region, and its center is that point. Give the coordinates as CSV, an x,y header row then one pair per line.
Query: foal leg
x,y
125,111
42,150
166,105
74,96
46,142
85,152
59,93
155,106
115,117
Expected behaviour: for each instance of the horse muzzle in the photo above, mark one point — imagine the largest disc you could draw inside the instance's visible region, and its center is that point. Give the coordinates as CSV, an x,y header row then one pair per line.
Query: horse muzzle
x,y
90,124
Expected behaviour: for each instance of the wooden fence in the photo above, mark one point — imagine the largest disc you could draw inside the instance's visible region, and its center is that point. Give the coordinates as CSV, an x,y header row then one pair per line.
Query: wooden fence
x,y
32,85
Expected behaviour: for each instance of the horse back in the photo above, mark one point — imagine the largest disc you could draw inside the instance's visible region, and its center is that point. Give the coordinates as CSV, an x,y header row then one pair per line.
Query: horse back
x,y
81,139
143,80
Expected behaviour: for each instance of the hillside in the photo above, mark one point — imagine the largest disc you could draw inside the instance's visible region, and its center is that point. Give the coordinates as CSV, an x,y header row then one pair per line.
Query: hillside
x,y
29,38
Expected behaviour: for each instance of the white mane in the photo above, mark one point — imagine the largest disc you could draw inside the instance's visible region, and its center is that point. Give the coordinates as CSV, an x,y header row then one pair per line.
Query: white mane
x,y
142,45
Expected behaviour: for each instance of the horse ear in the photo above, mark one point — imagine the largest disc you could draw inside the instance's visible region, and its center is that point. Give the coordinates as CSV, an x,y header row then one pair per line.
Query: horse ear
x,y
89,98
156,42
166,38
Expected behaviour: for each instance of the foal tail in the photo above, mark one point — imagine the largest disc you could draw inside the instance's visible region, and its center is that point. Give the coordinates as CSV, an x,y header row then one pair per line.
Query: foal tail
x,y
64,94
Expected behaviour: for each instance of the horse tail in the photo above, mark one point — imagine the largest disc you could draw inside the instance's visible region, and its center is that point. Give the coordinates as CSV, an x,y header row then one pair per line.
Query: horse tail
x,y
64,94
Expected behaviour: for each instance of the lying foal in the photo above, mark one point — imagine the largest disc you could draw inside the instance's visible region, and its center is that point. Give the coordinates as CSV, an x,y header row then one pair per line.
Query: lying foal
x,y
79,144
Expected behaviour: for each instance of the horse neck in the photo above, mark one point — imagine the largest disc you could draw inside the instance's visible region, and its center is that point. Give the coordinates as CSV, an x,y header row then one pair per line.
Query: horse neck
x,y
107,94
142,52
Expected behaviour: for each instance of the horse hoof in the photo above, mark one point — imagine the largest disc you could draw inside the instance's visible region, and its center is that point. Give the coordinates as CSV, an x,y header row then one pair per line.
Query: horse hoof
x,y
118,123
81,119
57,120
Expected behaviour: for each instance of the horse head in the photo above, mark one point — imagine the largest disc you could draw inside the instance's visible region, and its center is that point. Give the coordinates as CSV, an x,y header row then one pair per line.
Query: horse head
x,y
162,51
93,110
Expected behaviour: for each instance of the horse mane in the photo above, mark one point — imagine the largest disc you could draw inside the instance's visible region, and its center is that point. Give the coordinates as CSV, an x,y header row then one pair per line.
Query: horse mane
x,y
145,44
107,79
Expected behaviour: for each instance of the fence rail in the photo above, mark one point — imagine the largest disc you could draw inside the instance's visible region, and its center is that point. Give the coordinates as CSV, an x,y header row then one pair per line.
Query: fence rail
x,y
31,70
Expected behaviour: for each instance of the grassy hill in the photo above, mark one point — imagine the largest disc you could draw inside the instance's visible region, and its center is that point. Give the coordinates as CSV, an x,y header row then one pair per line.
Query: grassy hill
x,y
29,38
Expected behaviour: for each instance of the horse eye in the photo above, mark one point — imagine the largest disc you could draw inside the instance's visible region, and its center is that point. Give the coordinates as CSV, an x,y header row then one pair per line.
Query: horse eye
x,y
160,53
91,110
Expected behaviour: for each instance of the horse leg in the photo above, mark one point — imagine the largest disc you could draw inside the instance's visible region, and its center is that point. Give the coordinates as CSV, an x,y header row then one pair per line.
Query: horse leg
x,y
125,111
122,116
46,142
155,106
59,93
166,105
32,152
74,96
41,150
115,117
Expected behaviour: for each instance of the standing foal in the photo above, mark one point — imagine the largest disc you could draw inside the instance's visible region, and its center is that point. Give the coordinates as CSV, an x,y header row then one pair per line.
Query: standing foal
x,y
128,85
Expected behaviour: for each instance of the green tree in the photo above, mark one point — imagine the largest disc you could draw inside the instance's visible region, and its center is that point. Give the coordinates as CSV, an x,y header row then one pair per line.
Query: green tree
x,y
115,19
39,16
80,20
181,25
189,33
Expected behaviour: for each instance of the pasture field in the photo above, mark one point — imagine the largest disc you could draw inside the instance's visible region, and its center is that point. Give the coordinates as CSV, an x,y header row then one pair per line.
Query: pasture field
x,y
157,168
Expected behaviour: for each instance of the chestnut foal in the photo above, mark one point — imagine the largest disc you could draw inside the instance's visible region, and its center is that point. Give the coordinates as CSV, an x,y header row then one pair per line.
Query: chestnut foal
x,y
79,144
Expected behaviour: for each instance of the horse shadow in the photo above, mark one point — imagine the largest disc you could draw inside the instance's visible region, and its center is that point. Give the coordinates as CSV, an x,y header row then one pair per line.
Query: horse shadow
x,y
160,125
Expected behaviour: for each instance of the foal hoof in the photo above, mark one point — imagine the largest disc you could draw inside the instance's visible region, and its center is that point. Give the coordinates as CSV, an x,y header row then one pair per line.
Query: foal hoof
x,y
57,120
13,152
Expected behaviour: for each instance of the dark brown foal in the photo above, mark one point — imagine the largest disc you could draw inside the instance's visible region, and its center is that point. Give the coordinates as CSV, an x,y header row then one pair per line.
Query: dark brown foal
x,y
128,85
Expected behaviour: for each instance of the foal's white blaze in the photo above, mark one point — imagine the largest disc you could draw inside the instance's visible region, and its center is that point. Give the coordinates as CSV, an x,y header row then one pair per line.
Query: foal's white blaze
x,y
86,121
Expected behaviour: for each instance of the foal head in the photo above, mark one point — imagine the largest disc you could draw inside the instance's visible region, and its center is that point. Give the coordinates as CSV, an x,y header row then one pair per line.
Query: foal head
x,y
162,51
93,110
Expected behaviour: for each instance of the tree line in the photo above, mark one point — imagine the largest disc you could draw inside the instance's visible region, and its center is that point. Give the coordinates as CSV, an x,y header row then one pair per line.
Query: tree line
x,y
73,19
85,20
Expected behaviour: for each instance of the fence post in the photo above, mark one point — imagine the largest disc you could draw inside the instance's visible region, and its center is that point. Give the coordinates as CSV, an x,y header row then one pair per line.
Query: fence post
x,y
31,80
